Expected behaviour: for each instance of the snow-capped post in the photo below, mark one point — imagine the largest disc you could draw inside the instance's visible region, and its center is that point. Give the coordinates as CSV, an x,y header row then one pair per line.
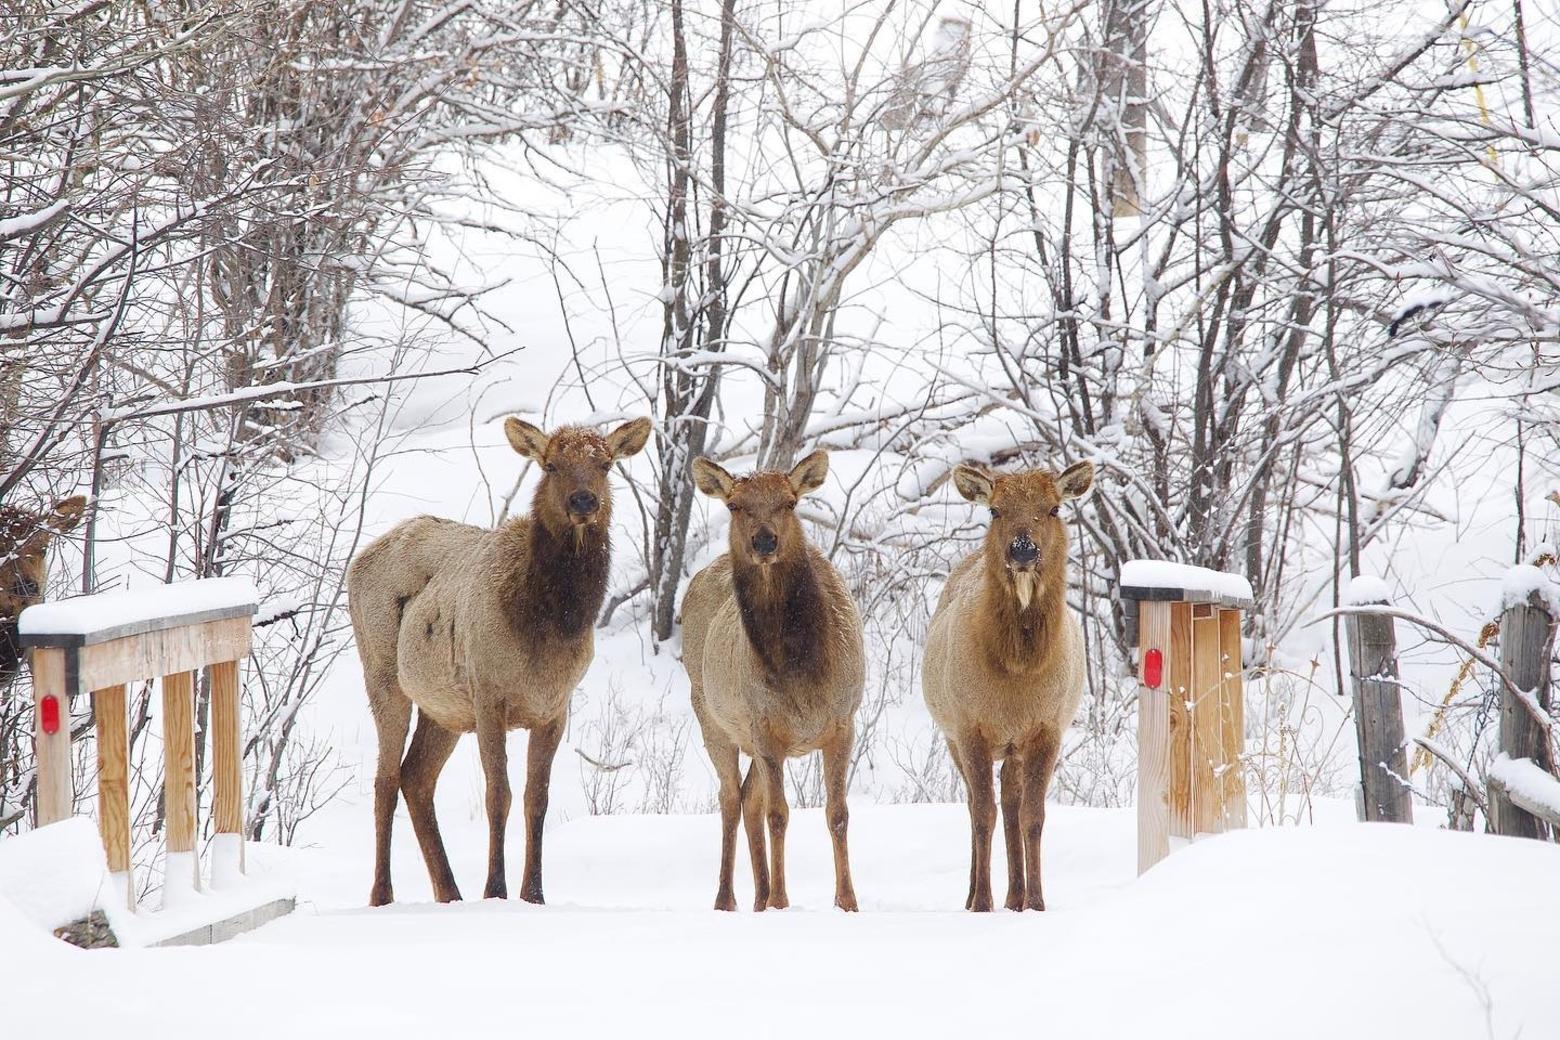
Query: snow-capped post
x,y
1530,607
1191,701
1378,705
95,645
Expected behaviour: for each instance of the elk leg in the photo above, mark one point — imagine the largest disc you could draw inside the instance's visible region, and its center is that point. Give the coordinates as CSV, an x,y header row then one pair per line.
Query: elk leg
x,y
724,758
492,733
753,811
983,814
393,720
1039,765
836,766
431,747
539,752
1012,796
778,816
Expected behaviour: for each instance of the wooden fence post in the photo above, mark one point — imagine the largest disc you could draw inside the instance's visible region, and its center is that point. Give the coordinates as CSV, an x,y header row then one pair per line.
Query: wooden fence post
x,y
1524,654
1207,731
1232,719
227,754
109,711
1154,735
183,870
51,737
1180,671
1378,718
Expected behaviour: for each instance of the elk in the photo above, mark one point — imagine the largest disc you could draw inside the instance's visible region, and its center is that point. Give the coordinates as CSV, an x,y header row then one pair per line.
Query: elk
x,y
772,644
485,631
1004,666
24,547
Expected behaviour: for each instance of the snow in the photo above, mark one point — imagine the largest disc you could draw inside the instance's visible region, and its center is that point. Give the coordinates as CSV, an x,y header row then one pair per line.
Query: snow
x,y
1162,574
108,611
1337,929
1364,589
54,875
1524,580
1527,782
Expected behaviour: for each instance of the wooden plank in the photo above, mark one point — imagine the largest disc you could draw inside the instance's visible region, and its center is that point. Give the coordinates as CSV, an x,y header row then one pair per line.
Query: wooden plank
x,y
1232,720
109,711
1524,640
110,633
1207,735
55,795
165,652
1178,668
1378,719
226,753
1153,742
1154,593
178,702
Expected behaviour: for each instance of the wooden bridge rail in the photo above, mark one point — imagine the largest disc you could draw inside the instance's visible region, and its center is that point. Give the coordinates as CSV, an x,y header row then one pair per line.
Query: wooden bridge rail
x,y
1191,712
94,646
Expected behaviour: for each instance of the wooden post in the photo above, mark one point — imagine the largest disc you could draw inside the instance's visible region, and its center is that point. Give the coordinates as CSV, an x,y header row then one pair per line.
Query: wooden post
x,y
51,711
1179,669
1378,719
226,773
1207,733
178,699
1153,796
1232,721
1524,654
113,750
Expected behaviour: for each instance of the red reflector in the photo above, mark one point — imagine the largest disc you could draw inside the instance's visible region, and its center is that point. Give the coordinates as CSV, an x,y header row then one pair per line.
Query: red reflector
x,y
1153,669
49,714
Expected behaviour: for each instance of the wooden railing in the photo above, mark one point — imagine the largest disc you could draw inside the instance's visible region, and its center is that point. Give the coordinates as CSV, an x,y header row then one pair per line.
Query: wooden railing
x,y
95,645
1191,703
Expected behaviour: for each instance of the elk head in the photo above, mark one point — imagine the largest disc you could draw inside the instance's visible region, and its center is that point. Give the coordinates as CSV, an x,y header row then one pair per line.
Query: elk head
x,y
764,527
575,460
24,546
1027,539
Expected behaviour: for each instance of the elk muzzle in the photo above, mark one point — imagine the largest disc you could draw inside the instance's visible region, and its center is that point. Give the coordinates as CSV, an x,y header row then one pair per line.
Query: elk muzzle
x,y
765,544
1022,552
583,504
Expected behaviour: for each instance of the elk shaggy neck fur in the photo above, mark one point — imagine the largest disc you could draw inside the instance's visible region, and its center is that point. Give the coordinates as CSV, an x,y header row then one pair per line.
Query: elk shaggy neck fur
x,y
559,592
786,618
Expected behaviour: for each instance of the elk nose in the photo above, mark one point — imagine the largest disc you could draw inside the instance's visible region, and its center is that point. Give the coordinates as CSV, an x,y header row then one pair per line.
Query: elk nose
x,y
1023,551
765,543
583,503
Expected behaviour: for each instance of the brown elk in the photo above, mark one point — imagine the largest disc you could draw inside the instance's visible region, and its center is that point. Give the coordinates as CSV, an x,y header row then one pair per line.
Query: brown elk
x,y
485,631
772,644
24,547
1004,666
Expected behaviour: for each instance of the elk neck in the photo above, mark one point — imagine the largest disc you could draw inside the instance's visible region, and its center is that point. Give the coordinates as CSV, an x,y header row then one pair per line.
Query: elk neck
x,y
557,579
1020,636
786,616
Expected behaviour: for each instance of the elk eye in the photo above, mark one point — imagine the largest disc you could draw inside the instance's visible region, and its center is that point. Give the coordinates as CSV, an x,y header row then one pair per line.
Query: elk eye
x,y
733,508
994,513
551,467
1056,510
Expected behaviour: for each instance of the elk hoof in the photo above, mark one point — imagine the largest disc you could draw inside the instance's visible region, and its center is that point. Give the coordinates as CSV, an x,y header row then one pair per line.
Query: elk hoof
x,y
533,894
846,901
1037,903
451,896
724,900
381,896
778,901
496,890
1015,901
981,904
760,905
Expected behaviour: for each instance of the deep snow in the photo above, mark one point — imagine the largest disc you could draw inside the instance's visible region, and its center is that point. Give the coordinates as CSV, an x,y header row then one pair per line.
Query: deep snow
x,y
1340,930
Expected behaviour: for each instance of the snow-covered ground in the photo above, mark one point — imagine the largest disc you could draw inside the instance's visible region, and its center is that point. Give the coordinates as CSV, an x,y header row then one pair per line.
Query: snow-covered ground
x,y
1338,929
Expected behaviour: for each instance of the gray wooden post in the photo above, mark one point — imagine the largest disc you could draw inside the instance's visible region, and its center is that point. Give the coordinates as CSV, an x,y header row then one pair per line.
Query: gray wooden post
x,y
1378,719
1524,654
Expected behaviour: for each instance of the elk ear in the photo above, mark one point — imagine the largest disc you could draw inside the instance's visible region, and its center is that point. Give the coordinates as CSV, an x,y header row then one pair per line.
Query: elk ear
x,y
1076,480
525,438
709,478
66,513
629,439
807,475
973,482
